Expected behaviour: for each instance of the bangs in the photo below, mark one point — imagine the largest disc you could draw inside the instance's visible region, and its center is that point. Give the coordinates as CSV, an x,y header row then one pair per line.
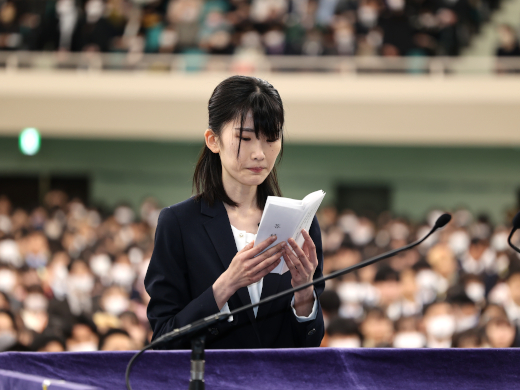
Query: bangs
x,y
268,117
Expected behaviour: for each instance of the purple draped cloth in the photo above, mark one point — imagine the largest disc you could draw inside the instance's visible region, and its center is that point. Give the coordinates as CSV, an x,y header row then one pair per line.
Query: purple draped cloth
x,y
302,369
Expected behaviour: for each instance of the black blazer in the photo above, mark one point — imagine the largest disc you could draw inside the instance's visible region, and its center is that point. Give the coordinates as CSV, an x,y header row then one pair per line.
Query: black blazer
x,y
194,245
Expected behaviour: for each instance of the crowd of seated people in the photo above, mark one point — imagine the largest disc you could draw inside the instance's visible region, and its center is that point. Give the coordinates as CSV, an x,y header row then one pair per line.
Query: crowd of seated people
x,y
71,279
272,27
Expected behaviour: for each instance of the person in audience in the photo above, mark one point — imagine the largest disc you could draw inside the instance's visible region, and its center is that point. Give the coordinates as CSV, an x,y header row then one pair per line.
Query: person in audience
x,y
116,340
439,324
83,337
344,333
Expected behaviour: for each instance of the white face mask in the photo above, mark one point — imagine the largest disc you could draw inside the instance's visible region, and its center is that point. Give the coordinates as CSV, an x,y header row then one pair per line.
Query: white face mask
x,y
100,264
467,322
346,342
367,16
35,302
349,291
10,253
409,340
5,224
123,275
124,215
83,283
7,280
395,5
499,241
36,321
116,304
441,326
475,291
7,340
87,346
459,242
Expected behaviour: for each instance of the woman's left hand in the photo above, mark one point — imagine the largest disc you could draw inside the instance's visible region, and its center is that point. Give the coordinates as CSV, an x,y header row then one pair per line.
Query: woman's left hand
x,y
303,265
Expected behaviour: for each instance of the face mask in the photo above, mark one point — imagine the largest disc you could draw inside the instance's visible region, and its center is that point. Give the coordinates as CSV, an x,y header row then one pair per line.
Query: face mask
x,y
467,322
36,321
348,223
9,253
475,291
35,302
349,291
94,10
124,215
64,7
426,279
86,346
399,231
83,284
100,264
38,260
7,340
499,242
367,16
395,5
7,280
53,229
123,275
5,224
135,255
362,235
347,342
409,340
441,327
459,242
116,304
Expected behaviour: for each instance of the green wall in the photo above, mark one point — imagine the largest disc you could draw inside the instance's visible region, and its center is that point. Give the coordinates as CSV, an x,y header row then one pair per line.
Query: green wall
x,y
483,179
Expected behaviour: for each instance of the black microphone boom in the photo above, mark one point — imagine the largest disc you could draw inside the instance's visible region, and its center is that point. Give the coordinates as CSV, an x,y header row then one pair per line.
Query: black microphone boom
x,y
205,322
516,226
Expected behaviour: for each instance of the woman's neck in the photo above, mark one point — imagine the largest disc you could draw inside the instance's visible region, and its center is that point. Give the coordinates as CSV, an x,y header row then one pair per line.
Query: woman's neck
x,y
243,195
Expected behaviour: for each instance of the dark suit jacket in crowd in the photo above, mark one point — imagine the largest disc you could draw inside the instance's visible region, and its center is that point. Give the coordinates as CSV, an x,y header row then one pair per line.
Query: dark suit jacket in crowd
x,y
194,245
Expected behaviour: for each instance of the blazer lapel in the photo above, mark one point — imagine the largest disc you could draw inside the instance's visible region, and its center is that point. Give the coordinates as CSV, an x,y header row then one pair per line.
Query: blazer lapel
x,y
221,235
270,287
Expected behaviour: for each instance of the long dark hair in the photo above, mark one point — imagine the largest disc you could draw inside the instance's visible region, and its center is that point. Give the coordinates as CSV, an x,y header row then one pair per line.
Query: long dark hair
x,y
232,100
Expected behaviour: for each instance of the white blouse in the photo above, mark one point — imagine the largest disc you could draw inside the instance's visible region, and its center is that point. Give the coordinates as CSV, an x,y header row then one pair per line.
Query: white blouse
x,y
242,238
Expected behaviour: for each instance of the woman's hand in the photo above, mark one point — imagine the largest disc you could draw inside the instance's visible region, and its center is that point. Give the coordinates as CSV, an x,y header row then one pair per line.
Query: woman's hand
x,y
302,267
246,269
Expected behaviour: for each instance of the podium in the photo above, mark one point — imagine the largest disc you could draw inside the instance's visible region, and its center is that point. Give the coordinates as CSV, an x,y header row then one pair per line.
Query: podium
x,y
302,369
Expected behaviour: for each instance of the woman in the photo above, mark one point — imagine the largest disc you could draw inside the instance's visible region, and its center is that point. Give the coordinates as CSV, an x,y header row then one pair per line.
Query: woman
x,y
204,260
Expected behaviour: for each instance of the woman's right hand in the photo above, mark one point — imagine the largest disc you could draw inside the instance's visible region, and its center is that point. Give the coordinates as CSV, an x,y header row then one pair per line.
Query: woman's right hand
x,y
246,269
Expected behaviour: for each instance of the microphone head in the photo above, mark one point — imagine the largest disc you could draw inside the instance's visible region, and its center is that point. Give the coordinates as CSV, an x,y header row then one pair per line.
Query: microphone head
x,y
443,221
516,221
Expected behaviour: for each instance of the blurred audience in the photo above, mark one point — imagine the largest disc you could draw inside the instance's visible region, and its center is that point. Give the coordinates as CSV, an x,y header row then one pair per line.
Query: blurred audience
x,y
244,27
460,288
71,277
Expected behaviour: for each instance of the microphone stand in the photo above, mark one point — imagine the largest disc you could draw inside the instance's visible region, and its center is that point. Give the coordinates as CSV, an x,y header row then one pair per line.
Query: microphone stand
x,y
203,323
516,225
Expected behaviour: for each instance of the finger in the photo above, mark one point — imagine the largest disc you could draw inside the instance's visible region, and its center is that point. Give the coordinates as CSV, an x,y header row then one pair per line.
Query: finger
x,y
311,247
247,247
268,253
301,256
267,262
266,270
293,263
260,247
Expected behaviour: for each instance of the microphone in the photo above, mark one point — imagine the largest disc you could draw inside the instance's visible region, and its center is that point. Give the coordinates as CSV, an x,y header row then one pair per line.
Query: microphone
x,y
210,320
516,226
197,364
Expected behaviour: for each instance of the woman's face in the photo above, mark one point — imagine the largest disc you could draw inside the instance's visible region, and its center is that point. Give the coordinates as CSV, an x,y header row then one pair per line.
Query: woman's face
x,y
257,155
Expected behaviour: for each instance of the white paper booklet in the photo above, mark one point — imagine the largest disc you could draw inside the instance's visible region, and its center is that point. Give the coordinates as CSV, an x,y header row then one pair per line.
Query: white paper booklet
x,y
285,218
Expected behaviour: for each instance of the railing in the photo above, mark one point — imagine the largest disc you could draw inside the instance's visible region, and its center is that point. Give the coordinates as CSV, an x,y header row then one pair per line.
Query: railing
x,y
254,62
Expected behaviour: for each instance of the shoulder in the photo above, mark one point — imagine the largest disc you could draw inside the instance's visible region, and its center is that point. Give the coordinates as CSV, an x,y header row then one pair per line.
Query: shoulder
x,y
180,211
